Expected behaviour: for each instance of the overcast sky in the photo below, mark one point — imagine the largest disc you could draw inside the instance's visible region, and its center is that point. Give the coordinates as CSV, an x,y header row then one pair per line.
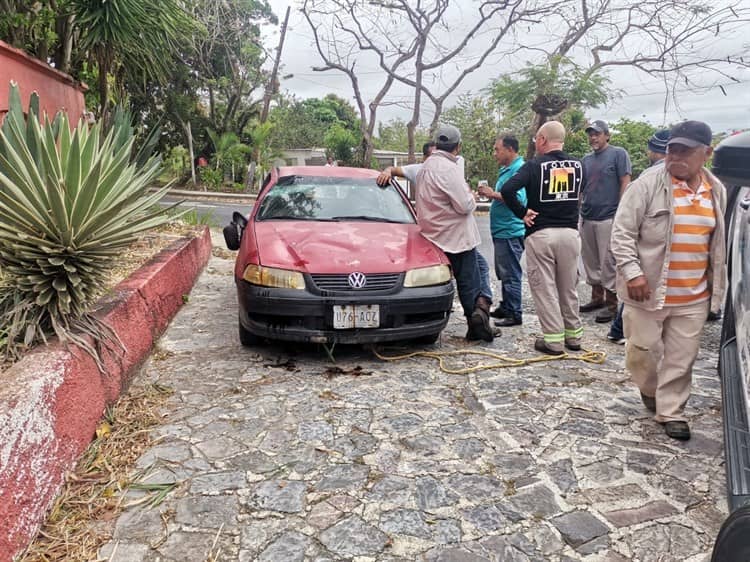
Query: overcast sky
x,y
642,97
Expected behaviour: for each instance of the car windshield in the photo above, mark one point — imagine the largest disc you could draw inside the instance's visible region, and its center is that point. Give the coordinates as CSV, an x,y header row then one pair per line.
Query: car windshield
x,y
333,199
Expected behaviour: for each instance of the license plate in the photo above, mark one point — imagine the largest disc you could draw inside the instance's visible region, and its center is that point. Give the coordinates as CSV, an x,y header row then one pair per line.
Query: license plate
x,y
356,316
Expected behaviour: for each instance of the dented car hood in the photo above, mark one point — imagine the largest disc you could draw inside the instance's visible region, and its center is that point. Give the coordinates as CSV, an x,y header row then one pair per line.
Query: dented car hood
x,y
343,247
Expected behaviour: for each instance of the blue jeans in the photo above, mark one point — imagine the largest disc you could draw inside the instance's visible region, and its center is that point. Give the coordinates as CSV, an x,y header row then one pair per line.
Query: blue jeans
x,y
485,289
467,271
615,330
508,253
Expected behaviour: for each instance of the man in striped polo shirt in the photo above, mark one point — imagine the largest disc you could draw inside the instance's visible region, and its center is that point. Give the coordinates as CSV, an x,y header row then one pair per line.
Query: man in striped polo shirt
x,y
668,243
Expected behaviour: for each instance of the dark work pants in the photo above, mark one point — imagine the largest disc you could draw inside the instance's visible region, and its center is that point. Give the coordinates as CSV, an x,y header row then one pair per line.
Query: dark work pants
x,y
468,277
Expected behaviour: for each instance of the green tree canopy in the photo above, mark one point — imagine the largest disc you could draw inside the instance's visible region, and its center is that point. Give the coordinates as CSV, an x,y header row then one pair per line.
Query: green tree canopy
x,y
542,92
305,123
633,136
479,123
395,136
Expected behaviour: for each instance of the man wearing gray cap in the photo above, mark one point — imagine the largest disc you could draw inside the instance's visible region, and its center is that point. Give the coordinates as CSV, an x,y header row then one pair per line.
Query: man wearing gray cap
x,y
445,211
606,173
668,243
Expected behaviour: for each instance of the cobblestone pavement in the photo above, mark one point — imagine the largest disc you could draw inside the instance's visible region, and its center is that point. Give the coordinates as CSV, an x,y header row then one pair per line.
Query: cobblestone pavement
x,y
280,457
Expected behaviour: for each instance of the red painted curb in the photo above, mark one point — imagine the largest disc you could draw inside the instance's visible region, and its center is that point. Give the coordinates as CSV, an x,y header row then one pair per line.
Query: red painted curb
x,y
52,400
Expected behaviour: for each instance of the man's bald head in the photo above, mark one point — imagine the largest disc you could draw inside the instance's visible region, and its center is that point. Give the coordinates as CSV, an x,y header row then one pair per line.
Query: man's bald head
x,y
554,131
550,136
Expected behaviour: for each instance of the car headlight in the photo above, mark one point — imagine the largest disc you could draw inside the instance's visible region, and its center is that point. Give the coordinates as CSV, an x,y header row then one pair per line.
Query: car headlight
x,y
425,276
272,277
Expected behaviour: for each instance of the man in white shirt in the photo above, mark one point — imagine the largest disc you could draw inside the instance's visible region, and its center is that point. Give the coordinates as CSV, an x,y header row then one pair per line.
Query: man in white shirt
x,y
409,171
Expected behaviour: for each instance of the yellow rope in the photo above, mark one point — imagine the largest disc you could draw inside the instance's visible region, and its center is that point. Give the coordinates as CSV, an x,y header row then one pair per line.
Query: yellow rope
x,y
587,356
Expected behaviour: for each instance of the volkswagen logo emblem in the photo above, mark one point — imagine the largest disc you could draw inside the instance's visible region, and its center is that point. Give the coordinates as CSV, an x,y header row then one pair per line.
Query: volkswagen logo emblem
x,y
357,280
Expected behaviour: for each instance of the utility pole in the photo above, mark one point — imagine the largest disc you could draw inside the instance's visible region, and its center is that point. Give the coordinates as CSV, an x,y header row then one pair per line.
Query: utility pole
x,y
270,87
272,82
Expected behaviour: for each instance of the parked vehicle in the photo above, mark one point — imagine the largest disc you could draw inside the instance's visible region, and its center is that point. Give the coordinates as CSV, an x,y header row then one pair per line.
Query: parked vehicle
x,y
732,165
326,255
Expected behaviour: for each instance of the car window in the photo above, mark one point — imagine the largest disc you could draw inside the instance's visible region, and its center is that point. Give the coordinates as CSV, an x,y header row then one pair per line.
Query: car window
x,y
333,199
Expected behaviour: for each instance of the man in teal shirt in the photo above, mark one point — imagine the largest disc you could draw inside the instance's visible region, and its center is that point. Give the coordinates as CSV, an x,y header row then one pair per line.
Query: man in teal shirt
x,y
508,233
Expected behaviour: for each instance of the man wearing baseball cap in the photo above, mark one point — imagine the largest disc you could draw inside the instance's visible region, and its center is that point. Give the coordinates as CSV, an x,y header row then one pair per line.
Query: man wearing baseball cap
x,y
606,172
445,211
668,243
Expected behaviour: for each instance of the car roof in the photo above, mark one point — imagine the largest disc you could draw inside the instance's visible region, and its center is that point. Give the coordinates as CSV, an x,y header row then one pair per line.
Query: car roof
x,y
327,171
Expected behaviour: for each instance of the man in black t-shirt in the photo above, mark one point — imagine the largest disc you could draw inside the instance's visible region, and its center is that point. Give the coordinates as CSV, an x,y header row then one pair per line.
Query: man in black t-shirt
x,y
553,183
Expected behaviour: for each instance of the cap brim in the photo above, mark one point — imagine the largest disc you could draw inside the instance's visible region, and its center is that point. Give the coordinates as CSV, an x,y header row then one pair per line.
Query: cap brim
x,y
595,129
685,141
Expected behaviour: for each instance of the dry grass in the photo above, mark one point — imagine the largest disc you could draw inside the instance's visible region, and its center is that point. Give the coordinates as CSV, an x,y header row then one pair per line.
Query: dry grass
x,y
145,248
81,518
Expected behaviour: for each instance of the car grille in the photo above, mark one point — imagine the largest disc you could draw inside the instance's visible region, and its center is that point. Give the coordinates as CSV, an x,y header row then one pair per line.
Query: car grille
x,y
340,282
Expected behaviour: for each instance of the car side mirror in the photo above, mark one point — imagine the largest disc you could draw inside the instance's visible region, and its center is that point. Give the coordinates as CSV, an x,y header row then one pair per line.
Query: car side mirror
x,y
233,231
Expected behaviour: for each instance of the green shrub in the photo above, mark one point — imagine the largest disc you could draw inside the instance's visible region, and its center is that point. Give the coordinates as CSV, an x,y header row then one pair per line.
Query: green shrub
x,y
211,178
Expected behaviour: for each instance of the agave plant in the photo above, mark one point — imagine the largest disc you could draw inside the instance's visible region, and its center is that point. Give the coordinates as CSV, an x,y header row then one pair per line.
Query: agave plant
x,y
70,202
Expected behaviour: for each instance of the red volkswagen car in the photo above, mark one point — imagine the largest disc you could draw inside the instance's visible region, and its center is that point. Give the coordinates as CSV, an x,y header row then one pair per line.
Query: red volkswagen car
x,y
326,255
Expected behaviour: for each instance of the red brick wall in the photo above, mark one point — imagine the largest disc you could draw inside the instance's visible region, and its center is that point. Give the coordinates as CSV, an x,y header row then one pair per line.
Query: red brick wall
x,y
57,91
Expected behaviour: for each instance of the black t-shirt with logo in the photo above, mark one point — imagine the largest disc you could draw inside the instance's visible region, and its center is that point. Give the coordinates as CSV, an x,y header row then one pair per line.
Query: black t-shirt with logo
x,y
553,184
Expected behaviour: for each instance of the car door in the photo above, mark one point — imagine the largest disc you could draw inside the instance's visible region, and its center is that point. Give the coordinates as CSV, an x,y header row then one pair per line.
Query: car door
x,y
739,280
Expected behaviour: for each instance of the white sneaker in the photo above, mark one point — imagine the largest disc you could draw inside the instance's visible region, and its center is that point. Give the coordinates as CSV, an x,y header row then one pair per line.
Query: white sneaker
x,y
618,341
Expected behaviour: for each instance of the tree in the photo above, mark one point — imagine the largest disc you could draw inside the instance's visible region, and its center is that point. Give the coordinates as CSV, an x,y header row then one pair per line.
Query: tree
x,y
395,136
137,37
29,26
216,82
673,40
227,60
415,44
341,144
633,136
544,91
305,123
229,153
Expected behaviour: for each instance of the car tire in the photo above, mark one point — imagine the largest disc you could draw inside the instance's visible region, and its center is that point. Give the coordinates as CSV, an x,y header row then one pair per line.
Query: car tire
x,y
429,339
733,542
247,338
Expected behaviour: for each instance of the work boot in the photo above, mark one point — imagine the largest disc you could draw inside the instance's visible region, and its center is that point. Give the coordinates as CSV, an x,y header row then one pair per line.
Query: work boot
x,y
479,321
541,346
508,321
498,313
597,299
471,336
609,313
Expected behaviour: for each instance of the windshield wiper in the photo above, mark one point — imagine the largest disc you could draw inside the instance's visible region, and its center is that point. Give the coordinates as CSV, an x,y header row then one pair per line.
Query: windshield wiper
x,y
366,218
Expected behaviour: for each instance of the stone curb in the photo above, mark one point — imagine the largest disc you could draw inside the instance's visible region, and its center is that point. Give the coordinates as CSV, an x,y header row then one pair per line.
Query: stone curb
x,y
52,400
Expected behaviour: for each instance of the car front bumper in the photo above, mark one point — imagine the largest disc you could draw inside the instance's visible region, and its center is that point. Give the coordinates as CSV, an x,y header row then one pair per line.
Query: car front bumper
x,y
294,315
